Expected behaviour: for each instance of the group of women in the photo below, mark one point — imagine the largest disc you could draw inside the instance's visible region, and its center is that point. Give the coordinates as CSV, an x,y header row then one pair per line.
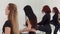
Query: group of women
x,y
11,25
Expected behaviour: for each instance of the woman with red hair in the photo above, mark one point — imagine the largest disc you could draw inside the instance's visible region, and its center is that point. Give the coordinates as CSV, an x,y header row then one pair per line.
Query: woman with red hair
x,y
44,25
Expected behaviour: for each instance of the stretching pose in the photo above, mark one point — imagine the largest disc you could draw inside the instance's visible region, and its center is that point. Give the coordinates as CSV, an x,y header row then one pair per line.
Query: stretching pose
x,y
31,20
44,25
54,21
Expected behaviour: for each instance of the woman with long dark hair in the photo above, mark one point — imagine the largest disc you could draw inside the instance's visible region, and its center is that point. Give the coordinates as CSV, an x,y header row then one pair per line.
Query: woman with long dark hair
x,y
11,25
44,25
55,19
31,18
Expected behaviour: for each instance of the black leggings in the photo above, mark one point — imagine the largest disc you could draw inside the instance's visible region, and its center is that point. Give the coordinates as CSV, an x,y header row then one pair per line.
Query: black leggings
x,y
44,28
32,32
56,29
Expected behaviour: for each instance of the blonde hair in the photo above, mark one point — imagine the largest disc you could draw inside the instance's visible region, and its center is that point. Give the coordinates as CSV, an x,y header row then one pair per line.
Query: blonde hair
x,y
13,17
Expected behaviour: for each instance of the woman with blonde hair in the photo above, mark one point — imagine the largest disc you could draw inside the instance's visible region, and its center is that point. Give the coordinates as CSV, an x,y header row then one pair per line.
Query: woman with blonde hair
x,y
11,25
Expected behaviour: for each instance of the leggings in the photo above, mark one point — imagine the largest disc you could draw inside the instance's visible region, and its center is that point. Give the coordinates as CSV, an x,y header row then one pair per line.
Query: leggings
x,y
56,29
32,32
44,28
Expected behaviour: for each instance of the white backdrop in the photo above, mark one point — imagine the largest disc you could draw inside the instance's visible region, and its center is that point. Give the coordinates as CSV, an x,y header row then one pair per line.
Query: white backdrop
x,y
36,5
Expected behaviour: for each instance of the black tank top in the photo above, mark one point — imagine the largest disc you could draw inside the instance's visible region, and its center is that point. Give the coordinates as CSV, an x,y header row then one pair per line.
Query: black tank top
x,y
7,24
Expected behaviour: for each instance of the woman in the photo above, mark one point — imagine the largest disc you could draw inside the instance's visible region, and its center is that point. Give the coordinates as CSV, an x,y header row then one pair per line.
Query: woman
x,y
11,25
31,22
44,25
55,19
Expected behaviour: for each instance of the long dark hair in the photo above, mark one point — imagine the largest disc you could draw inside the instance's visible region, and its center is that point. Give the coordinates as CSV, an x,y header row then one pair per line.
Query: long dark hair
x,y
30,14
55,10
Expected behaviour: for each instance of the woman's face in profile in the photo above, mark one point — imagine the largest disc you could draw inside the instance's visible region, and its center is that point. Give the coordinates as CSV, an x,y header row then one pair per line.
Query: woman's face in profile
x,y
43,13
53,11
7,10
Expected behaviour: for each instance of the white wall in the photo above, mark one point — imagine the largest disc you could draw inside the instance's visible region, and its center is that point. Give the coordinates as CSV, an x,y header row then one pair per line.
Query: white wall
x,y
36,5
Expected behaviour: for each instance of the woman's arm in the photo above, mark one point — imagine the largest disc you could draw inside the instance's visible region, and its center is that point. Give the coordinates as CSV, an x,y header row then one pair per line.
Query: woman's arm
x,y
28,28
7,30
29,24
24,30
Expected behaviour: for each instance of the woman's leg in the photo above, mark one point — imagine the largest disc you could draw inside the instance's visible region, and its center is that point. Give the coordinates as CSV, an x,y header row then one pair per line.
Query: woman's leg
x,y
45,28
48,29
48,32
32,32
40,28
56,29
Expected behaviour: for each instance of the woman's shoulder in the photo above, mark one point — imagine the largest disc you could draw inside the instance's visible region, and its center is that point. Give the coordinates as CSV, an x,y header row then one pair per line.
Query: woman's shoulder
x,y
7,23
